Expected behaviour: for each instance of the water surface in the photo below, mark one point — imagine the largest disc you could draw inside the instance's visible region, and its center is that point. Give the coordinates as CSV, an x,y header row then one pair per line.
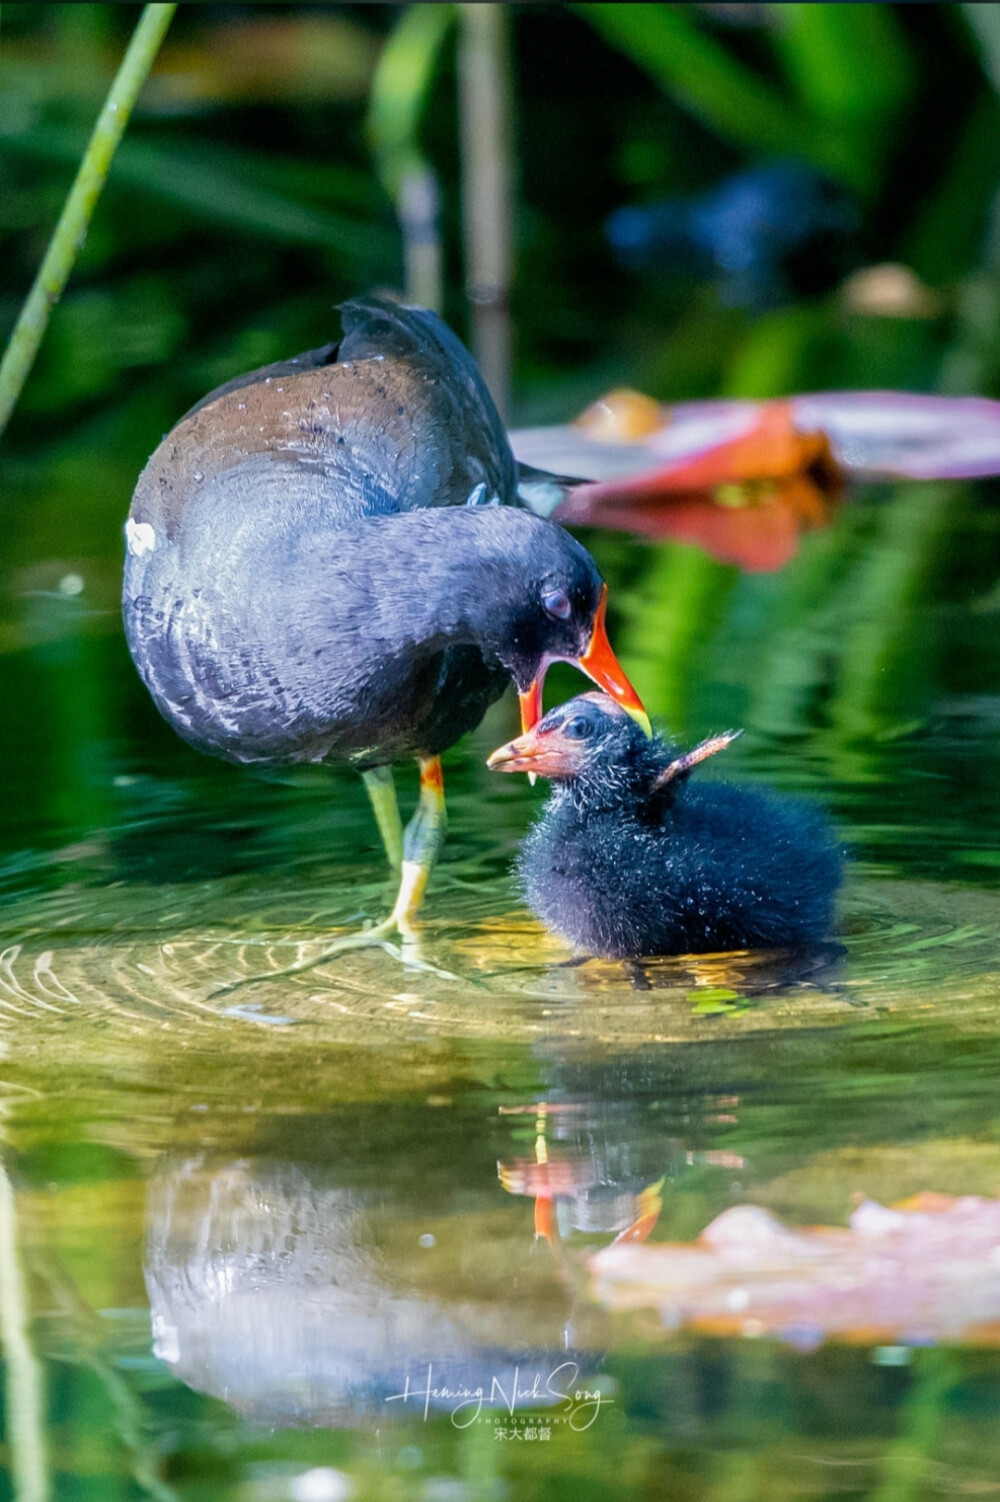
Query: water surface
x,y
278,1220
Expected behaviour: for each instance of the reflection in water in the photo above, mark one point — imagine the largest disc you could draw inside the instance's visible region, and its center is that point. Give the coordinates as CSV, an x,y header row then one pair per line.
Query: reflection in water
x,y
596,1153
747,974
329,1279
318,1235
298,1301
570,1190
921,1273
585,1173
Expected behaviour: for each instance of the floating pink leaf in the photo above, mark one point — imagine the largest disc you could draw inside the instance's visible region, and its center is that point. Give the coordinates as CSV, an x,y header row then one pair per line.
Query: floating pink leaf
x,y
744,479
745,500
873,434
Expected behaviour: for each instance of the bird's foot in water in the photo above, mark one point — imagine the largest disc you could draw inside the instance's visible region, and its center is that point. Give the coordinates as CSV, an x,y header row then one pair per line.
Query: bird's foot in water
x,y
377,936
402,920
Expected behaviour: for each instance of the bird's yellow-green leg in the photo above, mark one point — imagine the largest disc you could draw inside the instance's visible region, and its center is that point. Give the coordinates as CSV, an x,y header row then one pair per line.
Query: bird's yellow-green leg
x,y
413,853
382,794
421,845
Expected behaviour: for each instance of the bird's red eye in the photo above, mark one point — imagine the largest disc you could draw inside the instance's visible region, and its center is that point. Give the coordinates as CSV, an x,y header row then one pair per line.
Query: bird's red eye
x,y
555,602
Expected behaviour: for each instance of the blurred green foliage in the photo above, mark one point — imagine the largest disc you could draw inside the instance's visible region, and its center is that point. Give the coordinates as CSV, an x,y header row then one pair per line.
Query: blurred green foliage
x,y
247,193
255,189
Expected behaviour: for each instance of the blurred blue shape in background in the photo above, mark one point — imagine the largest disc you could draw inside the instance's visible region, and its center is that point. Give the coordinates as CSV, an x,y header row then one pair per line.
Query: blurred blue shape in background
x,y
774,232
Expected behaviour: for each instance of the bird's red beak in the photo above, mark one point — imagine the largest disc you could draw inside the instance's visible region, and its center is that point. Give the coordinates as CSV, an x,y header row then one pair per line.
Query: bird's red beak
x,y
531,702
601,665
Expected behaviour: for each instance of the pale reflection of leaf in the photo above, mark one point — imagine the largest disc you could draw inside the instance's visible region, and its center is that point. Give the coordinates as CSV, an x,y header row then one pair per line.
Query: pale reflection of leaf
x,y
816,1190
923,1272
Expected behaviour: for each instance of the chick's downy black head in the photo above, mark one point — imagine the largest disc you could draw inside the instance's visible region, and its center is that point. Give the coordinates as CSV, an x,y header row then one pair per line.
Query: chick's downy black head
x,y
591,745
601,756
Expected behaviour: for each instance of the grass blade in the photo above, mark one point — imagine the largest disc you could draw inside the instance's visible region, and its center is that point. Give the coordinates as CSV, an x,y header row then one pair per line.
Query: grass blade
x,y
79,206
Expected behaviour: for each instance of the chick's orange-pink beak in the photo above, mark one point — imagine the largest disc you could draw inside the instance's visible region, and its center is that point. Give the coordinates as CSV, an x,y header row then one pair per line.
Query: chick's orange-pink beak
x,y
544,753
601,665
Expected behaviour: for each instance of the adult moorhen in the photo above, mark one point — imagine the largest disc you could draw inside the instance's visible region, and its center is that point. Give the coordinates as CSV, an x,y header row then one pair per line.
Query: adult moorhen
x,y
628,859
327,559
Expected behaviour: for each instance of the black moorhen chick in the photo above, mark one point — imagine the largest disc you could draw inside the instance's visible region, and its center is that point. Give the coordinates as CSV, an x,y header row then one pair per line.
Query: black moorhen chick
x,y
327,559
628,859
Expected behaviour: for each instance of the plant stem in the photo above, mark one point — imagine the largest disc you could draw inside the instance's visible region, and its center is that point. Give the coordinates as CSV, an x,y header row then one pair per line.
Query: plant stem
x,y
399,94
418,205
71,230
25,1404
487,171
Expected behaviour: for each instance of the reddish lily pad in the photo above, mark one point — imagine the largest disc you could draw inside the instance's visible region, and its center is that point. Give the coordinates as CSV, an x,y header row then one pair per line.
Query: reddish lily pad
x,y
745,500
745,479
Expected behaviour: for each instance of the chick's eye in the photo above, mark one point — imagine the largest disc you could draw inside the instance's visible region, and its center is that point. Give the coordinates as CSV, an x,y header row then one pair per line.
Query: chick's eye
x,y
555,602
577,729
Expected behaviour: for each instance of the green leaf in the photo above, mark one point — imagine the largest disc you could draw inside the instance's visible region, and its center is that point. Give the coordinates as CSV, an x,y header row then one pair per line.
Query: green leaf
x,y
221,187
852,71
984,23
400,88
707,81
846,61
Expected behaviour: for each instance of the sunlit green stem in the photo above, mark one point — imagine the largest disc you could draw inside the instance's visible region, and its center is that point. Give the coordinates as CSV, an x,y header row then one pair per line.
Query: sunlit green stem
x,y
71,230
23,1384
88,1338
